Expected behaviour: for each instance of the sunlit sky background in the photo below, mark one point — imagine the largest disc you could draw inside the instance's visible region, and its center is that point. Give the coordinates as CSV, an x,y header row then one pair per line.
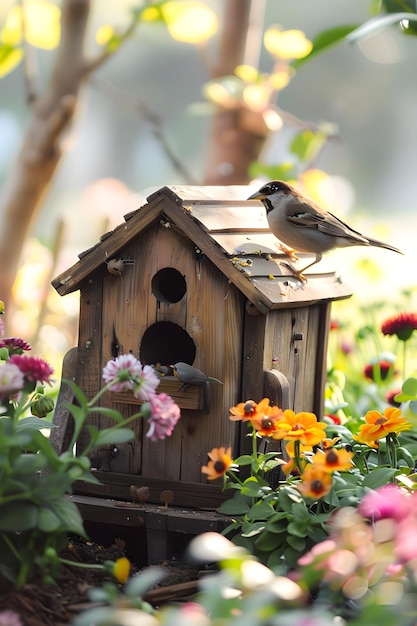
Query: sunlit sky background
x,y
368,90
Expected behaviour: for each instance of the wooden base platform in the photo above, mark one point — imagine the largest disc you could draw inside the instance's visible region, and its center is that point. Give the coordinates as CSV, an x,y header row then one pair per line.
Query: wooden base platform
x,y
162,525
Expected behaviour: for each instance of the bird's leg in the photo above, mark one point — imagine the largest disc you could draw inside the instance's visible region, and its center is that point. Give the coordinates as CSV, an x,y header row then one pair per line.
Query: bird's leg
x,y
289,252
299,273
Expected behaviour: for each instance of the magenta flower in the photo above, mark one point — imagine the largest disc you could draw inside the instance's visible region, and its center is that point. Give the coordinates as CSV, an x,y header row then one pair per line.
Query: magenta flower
x,y
387,502
11,380
164,414
33,368
15,345
122,373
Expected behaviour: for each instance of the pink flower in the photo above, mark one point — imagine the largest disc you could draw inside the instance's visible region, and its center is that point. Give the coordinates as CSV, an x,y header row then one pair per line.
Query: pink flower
x,y
125,373
15,345
33,368
11,380
388,501
148,382
9,618
164,414
122,373
405,541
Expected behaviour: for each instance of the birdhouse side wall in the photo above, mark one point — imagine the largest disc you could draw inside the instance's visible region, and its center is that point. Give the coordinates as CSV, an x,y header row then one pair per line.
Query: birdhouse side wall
x,y
296,345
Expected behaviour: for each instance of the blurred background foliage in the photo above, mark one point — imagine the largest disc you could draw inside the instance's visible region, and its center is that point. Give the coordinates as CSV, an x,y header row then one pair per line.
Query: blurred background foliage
x,y
337,114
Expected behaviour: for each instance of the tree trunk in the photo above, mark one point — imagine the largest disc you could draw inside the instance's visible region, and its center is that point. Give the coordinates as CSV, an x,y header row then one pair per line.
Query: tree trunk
x,y
237,135
40,152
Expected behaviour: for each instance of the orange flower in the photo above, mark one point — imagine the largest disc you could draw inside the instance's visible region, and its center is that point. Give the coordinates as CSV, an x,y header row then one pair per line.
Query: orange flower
x,y
333,460
379,425
249,410
220,462
328,443
302,426
315,483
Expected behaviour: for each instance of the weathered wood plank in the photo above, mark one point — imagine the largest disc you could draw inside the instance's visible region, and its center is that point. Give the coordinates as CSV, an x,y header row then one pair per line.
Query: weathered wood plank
x,y
117,486
89,361
60,437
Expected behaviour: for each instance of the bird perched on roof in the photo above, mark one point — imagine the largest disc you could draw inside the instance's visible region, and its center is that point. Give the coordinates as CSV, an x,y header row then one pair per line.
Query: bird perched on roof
x,y
189,375
303,224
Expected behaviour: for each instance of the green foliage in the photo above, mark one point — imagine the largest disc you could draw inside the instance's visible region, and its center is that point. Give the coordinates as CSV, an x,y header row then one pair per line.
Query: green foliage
x,y
326,39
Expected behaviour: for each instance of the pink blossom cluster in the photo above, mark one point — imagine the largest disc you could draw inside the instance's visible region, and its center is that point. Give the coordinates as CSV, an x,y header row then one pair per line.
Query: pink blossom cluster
x,y
126,373
20,370
369,546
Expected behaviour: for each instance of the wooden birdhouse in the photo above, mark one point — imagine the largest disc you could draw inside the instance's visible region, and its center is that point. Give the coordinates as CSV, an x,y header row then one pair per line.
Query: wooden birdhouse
x,y
195,275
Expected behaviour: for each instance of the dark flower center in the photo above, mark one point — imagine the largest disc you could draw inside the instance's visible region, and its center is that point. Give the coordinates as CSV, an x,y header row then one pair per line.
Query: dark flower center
x,y
332,457
267,423
219,467
249,407
316,486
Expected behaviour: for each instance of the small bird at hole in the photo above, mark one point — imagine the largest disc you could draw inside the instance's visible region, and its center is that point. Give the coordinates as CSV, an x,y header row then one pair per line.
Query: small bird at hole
x,y
189,375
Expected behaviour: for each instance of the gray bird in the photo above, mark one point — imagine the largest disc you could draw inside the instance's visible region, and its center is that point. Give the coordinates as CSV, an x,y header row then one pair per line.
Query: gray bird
x,y
189,375
306,226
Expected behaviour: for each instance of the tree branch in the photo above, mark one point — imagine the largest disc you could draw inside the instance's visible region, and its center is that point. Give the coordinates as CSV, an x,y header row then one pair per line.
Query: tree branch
x,y
237,135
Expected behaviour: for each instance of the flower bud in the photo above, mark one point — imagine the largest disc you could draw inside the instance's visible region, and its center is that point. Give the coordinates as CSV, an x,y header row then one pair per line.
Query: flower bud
x,y
42,406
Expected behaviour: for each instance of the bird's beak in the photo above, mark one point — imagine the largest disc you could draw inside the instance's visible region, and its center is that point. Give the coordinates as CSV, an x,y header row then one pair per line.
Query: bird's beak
x,y
257,196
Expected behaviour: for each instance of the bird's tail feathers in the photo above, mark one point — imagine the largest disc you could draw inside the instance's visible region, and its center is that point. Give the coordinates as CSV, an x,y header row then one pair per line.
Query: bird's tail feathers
x,y
214,380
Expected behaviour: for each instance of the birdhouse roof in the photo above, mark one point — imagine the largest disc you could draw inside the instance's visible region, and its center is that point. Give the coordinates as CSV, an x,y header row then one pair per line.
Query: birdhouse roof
x,y
231,232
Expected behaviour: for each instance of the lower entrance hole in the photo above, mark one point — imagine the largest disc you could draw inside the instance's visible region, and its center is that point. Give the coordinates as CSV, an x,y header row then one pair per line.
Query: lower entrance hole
x,y
166,343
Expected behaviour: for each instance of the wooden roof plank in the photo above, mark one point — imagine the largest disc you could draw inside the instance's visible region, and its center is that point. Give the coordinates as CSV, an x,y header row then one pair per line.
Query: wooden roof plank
x,y
222,225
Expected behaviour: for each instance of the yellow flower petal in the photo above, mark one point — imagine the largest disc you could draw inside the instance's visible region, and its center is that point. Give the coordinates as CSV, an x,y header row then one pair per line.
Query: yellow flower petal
x,y
121,569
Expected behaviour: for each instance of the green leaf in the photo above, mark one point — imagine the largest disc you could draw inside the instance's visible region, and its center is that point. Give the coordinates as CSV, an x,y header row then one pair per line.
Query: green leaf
x,y
245,459
299,529
376,24
253,529
260,511
324,40
29,463
379,477
33,423
234,507
413,406
287,497
107,412
268,541
80,415
408,390
277,523
48,522
297,543
67,511
78,393
17,516
46,448
306,144
284,171
113,435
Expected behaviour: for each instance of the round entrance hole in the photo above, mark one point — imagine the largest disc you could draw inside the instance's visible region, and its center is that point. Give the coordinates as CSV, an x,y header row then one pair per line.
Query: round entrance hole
x,y
168,285
166,343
